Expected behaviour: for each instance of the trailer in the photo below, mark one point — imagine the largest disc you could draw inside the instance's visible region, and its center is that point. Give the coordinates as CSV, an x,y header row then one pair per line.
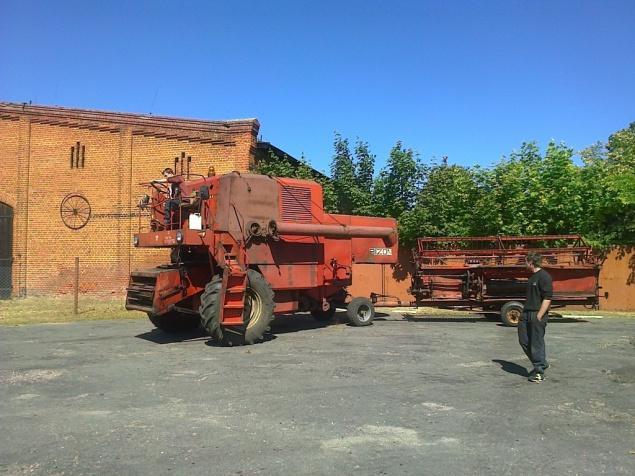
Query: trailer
x,y
489,272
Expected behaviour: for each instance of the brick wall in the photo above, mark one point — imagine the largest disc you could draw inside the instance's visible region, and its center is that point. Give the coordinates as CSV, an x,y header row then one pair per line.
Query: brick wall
x,y
120,151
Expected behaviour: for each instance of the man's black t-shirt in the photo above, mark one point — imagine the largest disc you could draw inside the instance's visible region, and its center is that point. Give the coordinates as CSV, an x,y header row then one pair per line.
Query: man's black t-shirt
x,y
539,287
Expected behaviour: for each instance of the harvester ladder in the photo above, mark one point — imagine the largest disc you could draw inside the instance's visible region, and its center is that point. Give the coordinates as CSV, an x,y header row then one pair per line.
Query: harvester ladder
x,y
233,293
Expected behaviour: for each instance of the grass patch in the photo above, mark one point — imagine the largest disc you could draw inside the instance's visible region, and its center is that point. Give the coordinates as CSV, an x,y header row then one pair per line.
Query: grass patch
x,y
427,311
600,312
40,310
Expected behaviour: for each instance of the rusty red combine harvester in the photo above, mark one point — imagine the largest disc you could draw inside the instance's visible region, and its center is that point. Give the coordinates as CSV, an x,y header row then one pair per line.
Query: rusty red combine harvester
x,y
246,247
489,272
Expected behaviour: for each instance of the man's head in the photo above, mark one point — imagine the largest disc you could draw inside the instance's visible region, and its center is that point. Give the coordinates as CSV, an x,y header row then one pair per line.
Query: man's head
x,y
167,172
533,261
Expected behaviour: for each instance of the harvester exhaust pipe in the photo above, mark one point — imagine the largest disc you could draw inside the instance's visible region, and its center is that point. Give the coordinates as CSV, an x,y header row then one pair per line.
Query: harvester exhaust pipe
x,y
388,234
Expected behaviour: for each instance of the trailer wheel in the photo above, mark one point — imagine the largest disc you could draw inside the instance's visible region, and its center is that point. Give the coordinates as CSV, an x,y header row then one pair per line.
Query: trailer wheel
x,y
174,321
324,316
258,306
360,311
510,313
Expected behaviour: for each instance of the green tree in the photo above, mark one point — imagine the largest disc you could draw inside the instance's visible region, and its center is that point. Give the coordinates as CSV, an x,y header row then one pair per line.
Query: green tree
x,y
594,194
395,189
284,167
364,169
561,207
343,175
618,213
528,194
514,194
445,204
621,160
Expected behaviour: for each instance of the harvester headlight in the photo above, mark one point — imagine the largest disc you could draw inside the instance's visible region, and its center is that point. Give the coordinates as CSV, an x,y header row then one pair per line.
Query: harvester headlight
x,y
179,237
135,240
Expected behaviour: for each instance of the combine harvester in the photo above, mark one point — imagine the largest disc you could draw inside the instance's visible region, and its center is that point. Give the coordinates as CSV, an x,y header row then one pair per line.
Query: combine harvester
x,y
245,247
489,272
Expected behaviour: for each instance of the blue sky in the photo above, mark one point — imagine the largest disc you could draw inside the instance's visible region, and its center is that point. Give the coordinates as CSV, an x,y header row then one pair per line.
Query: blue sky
x,y
466,79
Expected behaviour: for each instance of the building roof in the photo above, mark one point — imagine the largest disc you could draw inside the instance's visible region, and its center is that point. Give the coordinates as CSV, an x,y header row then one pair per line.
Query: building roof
x,y
72,114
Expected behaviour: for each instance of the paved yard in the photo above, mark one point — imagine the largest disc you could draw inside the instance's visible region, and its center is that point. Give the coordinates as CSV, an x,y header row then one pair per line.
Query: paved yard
x,y
437,396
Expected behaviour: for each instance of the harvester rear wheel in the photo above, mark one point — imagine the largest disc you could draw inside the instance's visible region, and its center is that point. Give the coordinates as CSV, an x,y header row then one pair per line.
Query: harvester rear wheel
x,y
174,321
361,311
510,313
258,311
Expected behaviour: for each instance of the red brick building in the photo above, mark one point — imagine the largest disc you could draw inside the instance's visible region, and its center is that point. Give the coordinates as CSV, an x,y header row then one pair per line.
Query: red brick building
x,y
53,159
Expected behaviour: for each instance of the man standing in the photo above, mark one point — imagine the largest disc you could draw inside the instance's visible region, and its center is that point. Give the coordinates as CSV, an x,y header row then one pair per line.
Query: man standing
x,y
172,191
533,322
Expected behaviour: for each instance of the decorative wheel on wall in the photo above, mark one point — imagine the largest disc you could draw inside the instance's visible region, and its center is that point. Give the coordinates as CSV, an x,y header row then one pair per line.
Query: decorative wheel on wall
x,y
75,211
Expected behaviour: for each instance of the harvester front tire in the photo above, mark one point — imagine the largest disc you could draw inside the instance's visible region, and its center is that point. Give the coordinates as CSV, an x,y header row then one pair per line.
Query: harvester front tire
x,y
510,313
258,304
360,311
174,322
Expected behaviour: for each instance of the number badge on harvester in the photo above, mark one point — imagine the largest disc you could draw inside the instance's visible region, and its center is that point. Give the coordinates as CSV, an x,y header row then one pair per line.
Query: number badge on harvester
x,y
381,251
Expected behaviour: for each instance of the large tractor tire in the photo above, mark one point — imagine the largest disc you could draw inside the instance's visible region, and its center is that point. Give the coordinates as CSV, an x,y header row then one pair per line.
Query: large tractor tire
x,y
361,311
174,321
510,313
258,311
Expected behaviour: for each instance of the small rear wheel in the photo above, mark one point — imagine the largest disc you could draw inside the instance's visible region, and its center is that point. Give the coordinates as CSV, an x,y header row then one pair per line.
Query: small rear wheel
x,y
361,311
174,321
511,312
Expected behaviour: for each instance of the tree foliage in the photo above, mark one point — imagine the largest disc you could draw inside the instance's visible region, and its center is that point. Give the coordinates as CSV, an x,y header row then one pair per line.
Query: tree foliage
x,y
527,193
343,175
397,184
364,171
444,205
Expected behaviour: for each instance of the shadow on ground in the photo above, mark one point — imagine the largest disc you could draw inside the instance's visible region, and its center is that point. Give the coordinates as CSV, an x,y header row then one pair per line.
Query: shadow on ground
x,y
282,324
512,368
558,320
287,323
160,337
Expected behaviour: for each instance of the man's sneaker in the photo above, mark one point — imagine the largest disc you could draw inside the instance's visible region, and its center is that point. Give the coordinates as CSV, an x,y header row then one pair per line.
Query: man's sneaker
x,y
536,378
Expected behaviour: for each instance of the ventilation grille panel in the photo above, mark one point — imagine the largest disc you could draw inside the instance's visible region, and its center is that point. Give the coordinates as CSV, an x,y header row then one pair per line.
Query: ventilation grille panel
x,y
296,204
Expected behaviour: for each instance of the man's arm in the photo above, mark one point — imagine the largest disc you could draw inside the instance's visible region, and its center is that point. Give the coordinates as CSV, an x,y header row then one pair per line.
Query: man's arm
x,y
545,285
544,307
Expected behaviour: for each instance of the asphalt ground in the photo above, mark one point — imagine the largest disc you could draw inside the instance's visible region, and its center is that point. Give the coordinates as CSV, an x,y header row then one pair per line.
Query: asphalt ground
x,y
425,396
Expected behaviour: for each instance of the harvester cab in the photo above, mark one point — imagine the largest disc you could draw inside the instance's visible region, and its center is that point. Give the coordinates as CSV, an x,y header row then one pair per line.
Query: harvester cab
x,y
245,247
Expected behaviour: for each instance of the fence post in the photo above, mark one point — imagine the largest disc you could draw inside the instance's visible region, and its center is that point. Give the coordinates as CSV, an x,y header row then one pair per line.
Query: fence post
x,y
75,310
